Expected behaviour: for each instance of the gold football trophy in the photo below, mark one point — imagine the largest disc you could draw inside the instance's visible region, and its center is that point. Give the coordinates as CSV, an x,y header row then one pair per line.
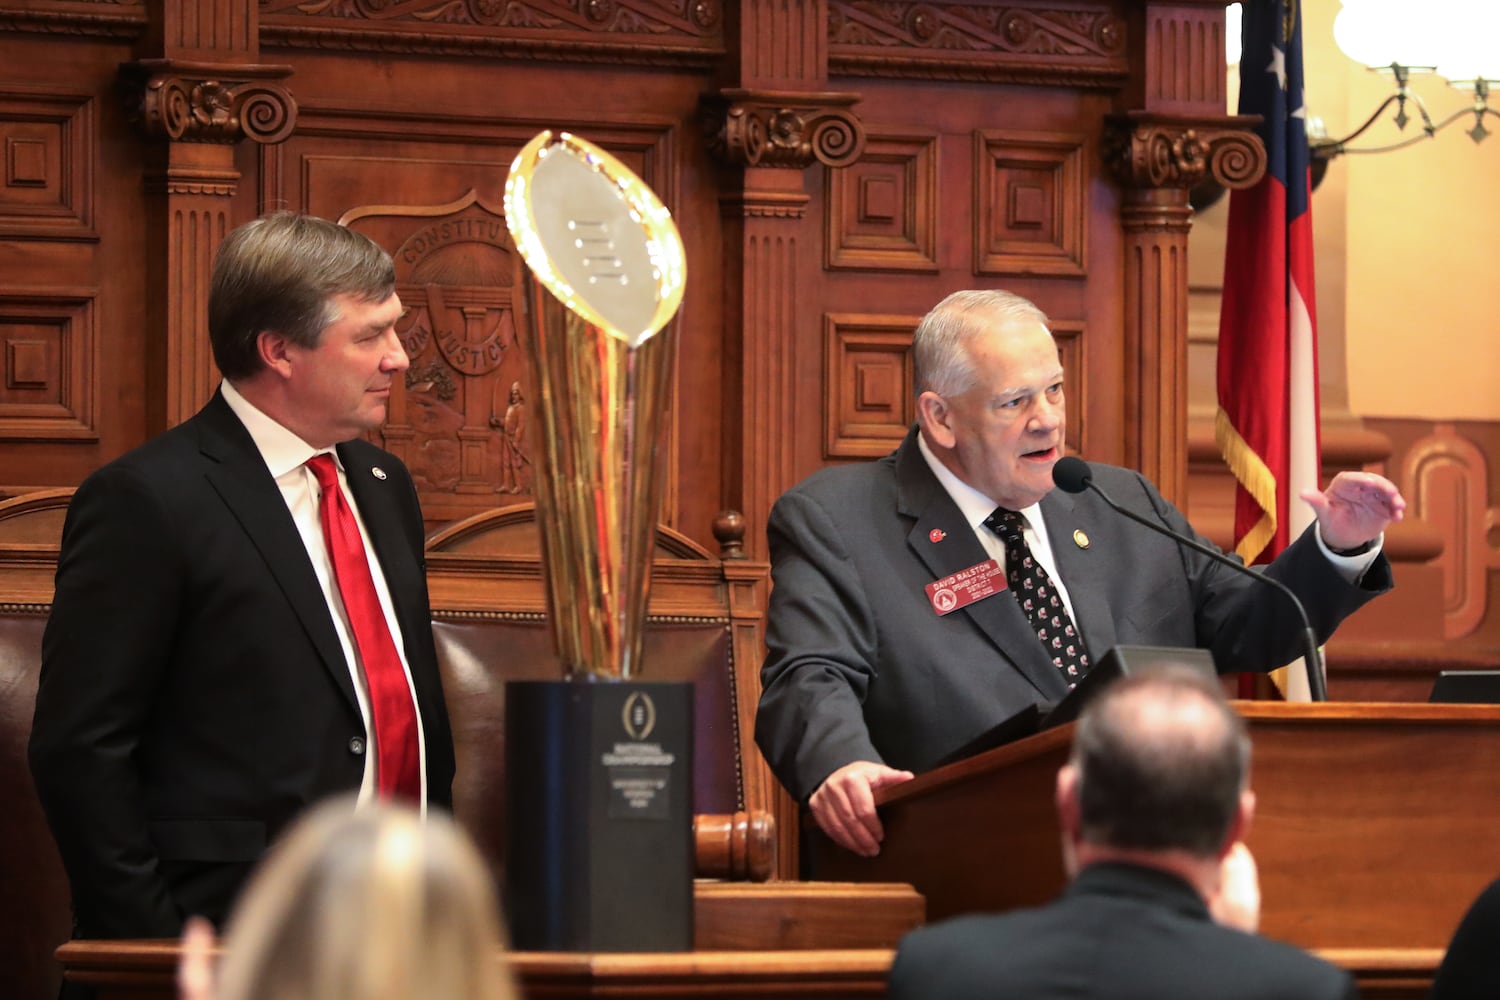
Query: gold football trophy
x,y
603,276
599,846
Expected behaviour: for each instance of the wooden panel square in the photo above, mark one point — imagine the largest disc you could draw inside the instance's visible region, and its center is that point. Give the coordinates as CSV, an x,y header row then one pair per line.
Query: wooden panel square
x,y
867,374
1070,342
48,148
25,162
47,350
882,209
29,362
1031,214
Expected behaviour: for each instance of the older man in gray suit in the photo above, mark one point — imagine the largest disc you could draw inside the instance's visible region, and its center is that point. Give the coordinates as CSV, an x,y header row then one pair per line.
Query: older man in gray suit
x,y
893,635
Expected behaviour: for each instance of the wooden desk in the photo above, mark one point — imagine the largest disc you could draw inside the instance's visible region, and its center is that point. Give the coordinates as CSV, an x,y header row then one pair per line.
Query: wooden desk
x,y
145,970
1374,826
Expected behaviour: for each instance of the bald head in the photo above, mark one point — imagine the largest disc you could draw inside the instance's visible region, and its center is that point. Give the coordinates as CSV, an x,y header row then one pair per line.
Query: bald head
x,y
1161,760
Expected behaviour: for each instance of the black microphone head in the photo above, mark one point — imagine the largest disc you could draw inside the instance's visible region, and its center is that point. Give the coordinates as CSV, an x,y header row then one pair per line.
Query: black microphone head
x,y
1072,474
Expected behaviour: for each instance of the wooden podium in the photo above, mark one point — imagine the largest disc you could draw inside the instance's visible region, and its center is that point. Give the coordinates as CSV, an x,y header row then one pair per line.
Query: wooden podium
x,y
1376,824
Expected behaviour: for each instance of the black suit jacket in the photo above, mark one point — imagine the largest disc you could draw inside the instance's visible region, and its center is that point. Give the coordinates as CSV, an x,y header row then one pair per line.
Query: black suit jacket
x,y
1119,932
1471,966
194,696
860,667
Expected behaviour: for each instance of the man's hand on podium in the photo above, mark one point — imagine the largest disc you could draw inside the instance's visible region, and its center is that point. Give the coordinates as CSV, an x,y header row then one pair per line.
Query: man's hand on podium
x,y
844,805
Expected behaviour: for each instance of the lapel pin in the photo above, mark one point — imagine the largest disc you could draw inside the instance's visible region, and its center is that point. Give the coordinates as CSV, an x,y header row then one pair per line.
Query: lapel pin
x,y
379,473
1080,539
936,535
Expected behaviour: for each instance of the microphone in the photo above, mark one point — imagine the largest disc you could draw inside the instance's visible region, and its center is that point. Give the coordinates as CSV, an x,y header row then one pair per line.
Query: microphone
x,y
1073,475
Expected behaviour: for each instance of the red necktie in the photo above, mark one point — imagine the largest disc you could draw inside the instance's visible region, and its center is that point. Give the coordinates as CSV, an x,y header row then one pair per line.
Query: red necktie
x,y
398,764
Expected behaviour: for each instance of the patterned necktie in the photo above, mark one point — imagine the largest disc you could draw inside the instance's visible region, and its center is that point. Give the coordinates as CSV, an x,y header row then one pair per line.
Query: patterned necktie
x,y
1038,597
398,762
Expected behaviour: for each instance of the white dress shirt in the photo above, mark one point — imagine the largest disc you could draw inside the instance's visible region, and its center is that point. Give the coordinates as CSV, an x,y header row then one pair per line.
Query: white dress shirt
x,y
286,456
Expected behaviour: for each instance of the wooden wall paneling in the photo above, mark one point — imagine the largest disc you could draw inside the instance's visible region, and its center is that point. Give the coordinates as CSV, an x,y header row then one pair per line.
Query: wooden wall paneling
x,y
882,209
1170,131
867,379
195,90
460,417
69,295
1030,211
49,355
773,119
49,145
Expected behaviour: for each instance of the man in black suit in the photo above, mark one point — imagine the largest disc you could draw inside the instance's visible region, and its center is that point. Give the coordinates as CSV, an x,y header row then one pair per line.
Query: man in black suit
x,y
1151,803
875,669
206,675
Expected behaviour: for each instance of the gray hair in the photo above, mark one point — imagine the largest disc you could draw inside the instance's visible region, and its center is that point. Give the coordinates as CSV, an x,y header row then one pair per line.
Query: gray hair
x,y
939,360
280,273
1153,772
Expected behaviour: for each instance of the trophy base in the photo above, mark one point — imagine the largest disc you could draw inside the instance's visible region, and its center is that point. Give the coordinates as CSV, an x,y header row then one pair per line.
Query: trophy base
x,y
599,815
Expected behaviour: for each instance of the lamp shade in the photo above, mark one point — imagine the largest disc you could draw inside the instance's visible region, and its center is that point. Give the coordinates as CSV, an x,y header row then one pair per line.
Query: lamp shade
x,y
1461,38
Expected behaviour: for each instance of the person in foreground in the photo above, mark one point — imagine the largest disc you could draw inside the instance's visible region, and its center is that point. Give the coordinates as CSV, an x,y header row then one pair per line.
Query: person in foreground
x,y
241,624
922,599
374,904
1153,804
1471,965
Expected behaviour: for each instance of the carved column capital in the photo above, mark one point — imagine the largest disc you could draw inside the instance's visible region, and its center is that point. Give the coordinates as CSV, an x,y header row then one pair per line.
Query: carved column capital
x,y
749,128
208,102
1159,151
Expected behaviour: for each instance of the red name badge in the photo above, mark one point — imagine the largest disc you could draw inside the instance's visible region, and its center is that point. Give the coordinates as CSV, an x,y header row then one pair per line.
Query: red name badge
x,y
966,586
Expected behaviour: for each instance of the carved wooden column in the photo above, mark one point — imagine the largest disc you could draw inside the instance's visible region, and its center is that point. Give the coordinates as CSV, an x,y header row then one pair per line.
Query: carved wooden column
x,y
201,96
1157,160
1170,134
768,131
768,128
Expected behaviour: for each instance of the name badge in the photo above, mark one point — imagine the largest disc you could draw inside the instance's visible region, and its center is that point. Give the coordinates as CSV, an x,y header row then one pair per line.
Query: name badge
x,y
965,587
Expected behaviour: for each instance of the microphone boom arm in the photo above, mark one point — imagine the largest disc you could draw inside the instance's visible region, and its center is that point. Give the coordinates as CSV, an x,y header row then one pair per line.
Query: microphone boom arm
x,y
1312,657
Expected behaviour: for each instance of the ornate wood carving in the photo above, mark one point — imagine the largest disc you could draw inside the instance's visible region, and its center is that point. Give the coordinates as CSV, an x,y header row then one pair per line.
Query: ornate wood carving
x,y
1030,215
882,210
648,32
461,422
748,128
112,19
48,358
693,18
1042,43
47,151
459,418
1157,159
1152,151
203,102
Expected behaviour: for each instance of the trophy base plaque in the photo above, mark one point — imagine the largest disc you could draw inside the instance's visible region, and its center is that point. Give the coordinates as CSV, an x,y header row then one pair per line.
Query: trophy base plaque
x,y
599,815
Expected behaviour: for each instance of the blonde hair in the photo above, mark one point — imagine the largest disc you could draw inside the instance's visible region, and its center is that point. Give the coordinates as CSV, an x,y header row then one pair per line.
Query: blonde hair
x,y
374,904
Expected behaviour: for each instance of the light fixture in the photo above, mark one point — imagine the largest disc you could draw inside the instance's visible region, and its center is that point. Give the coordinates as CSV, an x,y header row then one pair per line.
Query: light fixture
x,y
1458,40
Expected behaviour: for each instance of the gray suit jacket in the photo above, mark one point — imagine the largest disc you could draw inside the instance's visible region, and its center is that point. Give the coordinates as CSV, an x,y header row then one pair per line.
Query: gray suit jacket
x,y
1119,932
860,667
